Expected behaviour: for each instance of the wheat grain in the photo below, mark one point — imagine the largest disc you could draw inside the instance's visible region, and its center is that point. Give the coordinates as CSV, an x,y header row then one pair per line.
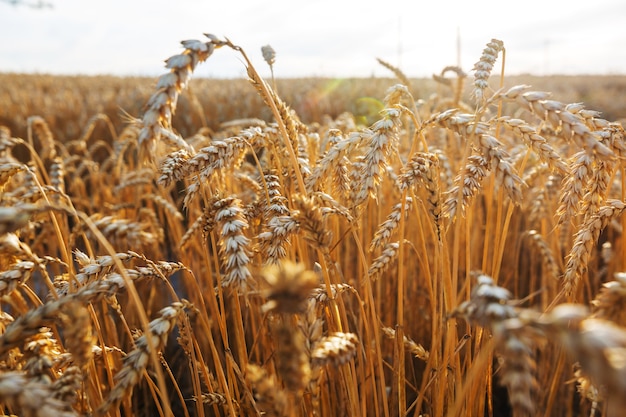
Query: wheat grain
x,y
423,168
537,143
410,345
234,245
137,360
335,349
382,262
489,306
552,269
17,274
267,393
39,126
162,103
475,172
79,336
31,398
273,241
312,222
381,142
396,71
585,238
384,230
483,68
610,300
597,345
292,361
289,286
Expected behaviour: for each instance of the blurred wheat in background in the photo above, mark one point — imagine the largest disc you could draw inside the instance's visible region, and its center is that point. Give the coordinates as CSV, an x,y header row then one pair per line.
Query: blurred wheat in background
x,y
381,247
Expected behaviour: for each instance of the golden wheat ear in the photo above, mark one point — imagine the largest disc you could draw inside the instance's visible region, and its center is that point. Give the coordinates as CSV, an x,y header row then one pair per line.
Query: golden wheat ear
x,y
157,119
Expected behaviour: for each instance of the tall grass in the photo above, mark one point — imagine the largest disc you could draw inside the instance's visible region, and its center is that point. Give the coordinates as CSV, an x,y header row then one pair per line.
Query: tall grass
x,y
456,255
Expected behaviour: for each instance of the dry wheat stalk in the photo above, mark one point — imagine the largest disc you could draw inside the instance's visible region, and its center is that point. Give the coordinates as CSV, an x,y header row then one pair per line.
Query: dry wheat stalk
x,y
205,222
17,274
536,142
598,186
475,172
78,333
234,244
409,344
312,222
166,204
39,126
498,160
125,233
138,178
483,68
285,116
92,269
396,71
489,306
613,135
584,241
341,146
574,185
311,324
162,103
8,170
269,55
11,245
597,345
290,357
268,395
57,178
329,205
610,302
551,267
385,230
30,397
335,349
137,360
539,205
175,166
283,180
210,398
572,126
273,241
381,141
382,262
67,387
289,287
321,295
423,169
277,204
39,354
394,97
29,323
518,367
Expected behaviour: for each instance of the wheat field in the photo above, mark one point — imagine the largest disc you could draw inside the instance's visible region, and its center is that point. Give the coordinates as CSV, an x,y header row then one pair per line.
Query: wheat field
x,y
267,247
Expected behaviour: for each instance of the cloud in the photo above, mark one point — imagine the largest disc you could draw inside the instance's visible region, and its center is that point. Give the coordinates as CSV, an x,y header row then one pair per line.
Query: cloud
x,y
314,37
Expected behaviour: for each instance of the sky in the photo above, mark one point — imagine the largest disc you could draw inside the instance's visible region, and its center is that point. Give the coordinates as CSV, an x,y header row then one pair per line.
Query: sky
x,y
327,38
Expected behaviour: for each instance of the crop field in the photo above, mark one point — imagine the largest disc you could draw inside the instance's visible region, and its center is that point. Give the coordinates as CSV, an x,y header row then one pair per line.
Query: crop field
x,y
184,246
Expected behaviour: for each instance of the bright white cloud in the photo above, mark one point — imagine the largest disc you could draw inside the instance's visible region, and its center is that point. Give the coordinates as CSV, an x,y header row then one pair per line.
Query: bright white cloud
x,y
314,37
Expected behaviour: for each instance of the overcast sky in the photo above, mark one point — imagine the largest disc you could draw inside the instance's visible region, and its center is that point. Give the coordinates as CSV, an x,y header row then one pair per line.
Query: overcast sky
x,y
331,38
